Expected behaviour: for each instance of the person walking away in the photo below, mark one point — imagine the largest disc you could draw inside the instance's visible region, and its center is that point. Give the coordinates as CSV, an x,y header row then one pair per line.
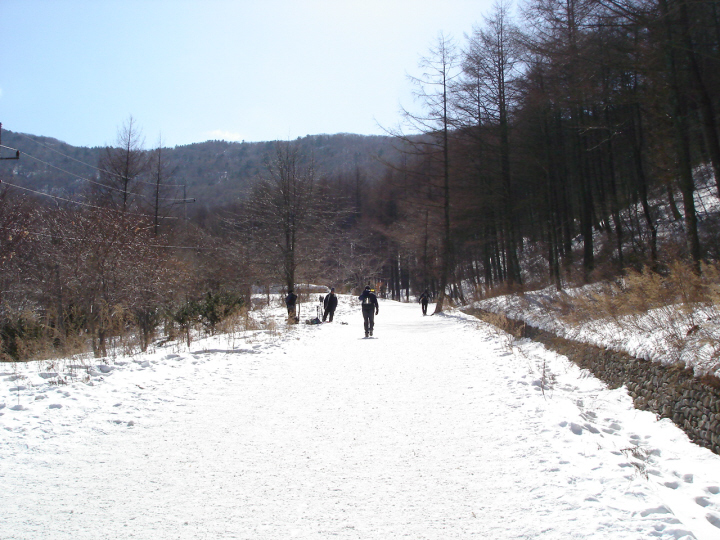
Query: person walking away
x,y
370,308
290,302
424,298
330,304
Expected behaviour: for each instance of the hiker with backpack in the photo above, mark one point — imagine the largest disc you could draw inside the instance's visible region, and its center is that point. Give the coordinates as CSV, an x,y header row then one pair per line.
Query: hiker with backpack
x,y
370,308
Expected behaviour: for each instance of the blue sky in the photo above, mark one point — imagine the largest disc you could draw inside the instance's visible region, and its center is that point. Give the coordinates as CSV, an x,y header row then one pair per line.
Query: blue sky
x,y
193,70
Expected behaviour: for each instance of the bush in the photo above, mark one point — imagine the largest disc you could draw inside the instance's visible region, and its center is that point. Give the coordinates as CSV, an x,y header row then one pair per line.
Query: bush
x,y
215,308
20,337
210,311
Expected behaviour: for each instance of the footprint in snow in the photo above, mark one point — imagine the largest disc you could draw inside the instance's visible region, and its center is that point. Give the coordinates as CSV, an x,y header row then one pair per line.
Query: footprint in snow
x,y
658,510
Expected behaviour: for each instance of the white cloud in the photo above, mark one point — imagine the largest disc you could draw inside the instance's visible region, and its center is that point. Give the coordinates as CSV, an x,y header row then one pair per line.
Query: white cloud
x,y
222,135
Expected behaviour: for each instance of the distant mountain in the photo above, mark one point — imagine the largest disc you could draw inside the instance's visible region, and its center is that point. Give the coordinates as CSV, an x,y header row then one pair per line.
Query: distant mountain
x,y
213,172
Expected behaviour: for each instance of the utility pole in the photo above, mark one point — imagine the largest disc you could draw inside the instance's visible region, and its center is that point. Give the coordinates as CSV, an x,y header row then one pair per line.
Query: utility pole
x,y
17,152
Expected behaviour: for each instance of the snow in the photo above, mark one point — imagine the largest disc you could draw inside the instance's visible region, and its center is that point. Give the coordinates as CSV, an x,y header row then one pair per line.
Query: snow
x,y
672,334
439,427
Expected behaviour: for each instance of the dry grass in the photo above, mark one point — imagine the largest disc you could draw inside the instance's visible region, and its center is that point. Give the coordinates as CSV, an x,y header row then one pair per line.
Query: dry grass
x,y
42,340
640,292
499,320
679,311
502,289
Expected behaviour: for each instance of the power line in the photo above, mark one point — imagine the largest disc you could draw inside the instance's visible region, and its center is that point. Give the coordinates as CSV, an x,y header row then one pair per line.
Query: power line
x,y
170,200
48,235
80,203
95,182
60,153
17,152
88,164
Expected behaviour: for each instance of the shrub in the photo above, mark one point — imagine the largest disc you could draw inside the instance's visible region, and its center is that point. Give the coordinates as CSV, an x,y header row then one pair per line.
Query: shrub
x,y
18,335
215,308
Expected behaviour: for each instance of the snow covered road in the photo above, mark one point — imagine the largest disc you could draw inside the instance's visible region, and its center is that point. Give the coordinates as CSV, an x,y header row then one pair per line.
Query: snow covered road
x,y
441,427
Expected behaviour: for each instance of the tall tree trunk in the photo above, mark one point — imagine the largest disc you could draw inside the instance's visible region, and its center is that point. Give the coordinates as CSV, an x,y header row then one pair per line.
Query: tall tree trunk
x,y
447,240
637,145
679,114
706,108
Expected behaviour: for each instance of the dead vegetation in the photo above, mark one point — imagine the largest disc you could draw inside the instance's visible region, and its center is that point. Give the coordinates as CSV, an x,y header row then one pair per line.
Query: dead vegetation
x,y
675,314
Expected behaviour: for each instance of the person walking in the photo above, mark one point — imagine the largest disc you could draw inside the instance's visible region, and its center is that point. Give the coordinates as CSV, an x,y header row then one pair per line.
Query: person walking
x,y
424,298
370,308
330,304
290,302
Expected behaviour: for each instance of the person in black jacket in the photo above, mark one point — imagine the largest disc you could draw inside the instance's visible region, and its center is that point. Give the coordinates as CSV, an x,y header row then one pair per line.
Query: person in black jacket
x,y
424,298
370,308
290,301
330,304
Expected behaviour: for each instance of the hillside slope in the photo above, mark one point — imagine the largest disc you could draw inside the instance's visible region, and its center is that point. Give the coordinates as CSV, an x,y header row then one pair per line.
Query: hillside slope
x,y
213,172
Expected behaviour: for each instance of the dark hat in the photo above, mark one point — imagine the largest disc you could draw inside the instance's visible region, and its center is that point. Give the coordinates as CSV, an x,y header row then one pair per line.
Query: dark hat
x,y
367,288
332,289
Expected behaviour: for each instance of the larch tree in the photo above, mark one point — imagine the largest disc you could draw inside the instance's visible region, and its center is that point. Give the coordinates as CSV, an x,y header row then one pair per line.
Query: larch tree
x,y
121,166
434,125
284,219
492,63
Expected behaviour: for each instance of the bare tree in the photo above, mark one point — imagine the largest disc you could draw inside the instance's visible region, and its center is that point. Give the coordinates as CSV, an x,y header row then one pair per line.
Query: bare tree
x,y
433,91
491,66
285,219
122,166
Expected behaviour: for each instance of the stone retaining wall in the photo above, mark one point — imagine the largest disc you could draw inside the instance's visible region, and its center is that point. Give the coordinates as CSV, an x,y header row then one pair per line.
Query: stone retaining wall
x,y
669,391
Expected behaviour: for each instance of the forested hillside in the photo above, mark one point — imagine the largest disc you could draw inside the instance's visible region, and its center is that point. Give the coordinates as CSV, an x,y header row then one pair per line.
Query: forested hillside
x,y
561,147
212,173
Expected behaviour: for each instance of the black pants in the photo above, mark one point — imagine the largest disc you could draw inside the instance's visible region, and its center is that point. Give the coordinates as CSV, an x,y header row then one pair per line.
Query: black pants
x,y
292,314
369,318
327,314
424,308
